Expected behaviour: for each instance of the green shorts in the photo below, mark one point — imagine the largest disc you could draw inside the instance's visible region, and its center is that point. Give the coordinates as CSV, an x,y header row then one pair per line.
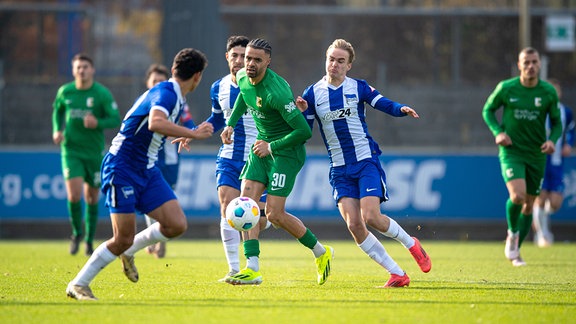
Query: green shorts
x,y
88,169
532,171
277,171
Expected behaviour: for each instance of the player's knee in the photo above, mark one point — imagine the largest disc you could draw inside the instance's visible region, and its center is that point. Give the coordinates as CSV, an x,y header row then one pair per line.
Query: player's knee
x,y
274,216
178,228
356,228
123,242
518,198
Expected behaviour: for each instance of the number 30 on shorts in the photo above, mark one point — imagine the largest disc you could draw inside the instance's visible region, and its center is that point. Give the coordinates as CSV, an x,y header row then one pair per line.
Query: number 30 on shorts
x,y
278,180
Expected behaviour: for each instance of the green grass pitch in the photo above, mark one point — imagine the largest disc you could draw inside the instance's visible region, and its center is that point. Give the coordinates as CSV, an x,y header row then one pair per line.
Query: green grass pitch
x,y
470,282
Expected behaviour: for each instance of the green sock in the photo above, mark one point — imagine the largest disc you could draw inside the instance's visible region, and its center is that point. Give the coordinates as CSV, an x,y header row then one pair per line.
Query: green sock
x,y
91,222
512,215
525,226
75,215
251,248
309,240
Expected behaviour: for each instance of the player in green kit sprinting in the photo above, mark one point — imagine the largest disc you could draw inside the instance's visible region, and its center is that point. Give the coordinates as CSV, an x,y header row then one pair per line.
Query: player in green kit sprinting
x,y
523,143
276,157
82,110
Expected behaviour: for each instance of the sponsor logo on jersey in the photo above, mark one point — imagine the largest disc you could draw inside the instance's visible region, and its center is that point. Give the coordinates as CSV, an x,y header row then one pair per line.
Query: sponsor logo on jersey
x,y
339,114
526,114
255,113
513,99
78,113
290,107
90,102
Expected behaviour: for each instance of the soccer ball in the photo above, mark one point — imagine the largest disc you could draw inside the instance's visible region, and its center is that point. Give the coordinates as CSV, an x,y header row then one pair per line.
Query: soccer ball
x,y
243,213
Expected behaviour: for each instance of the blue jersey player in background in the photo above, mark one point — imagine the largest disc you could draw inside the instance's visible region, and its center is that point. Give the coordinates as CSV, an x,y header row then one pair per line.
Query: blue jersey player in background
x,y
356,175
551,195
132,181
231,157
168,156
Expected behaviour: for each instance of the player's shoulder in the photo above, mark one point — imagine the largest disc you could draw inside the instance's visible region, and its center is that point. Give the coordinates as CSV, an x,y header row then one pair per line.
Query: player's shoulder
x,y
509,83
505,86
360,83
547,86
100,87
223,81
67,87
273,81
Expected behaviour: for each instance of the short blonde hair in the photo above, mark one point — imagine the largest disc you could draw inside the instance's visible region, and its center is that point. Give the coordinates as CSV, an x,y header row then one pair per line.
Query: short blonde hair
x,y
343,44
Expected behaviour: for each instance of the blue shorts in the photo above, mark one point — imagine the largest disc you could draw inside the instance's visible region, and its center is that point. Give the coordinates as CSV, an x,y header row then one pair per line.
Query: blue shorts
x,y
228,174
553,178
359,179
127,192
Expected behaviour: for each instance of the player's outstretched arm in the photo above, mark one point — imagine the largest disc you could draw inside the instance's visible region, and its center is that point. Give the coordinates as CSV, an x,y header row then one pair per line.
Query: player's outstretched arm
x,y
409,111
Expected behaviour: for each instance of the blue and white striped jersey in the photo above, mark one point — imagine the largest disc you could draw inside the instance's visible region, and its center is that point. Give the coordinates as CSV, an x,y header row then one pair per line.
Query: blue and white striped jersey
x,y
223,94
567,133
136,146
341,114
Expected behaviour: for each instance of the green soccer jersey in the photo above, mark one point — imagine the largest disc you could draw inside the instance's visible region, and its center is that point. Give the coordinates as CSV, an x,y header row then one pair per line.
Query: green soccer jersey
x,y
271,103
523,116
70,107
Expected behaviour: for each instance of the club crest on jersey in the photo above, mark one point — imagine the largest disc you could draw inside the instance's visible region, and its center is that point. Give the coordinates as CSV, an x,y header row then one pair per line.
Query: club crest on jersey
x,y
538,102
290,107
259,102
351,99
90,102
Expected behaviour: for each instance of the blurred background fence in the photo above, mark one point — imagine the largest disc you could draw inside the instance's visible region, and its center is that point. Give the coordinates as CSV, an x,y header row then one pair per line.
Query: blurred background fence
x,y
442,57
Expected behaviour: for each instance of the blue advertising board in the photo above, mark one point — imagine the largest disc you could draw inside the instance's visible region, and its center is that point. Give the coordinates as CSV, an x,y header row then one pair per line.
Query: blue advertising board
x,y
420,186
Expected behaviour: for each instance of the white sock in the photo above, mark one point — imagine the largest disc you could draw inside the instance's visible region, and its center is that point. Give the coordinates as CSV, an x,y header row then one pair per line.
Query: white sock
x,y
231,243
253,263
148,236
377,252
149,220
318,249
537,214
396,232
100,258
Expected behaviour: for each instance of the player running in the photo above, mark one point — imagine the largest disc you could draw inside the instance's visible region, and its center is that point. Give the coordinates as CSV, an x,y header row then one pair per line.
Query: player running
x,y
131,179
522,142
276,157
356,175
83,109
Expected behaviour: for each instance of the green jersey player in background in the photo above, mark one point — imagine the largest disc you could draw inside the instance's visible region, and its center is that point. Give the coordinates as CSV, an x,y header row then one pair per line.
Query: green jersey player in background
x,y
276,157
82,110
522,141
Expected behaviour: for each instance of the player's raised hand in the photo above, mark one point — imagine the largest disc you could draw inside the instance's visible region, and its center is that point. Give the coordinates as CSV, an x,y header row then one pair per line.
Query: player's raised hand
x,y
57,137
90,121
226,135
409,111
548,147
203,131
503,139
301,104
